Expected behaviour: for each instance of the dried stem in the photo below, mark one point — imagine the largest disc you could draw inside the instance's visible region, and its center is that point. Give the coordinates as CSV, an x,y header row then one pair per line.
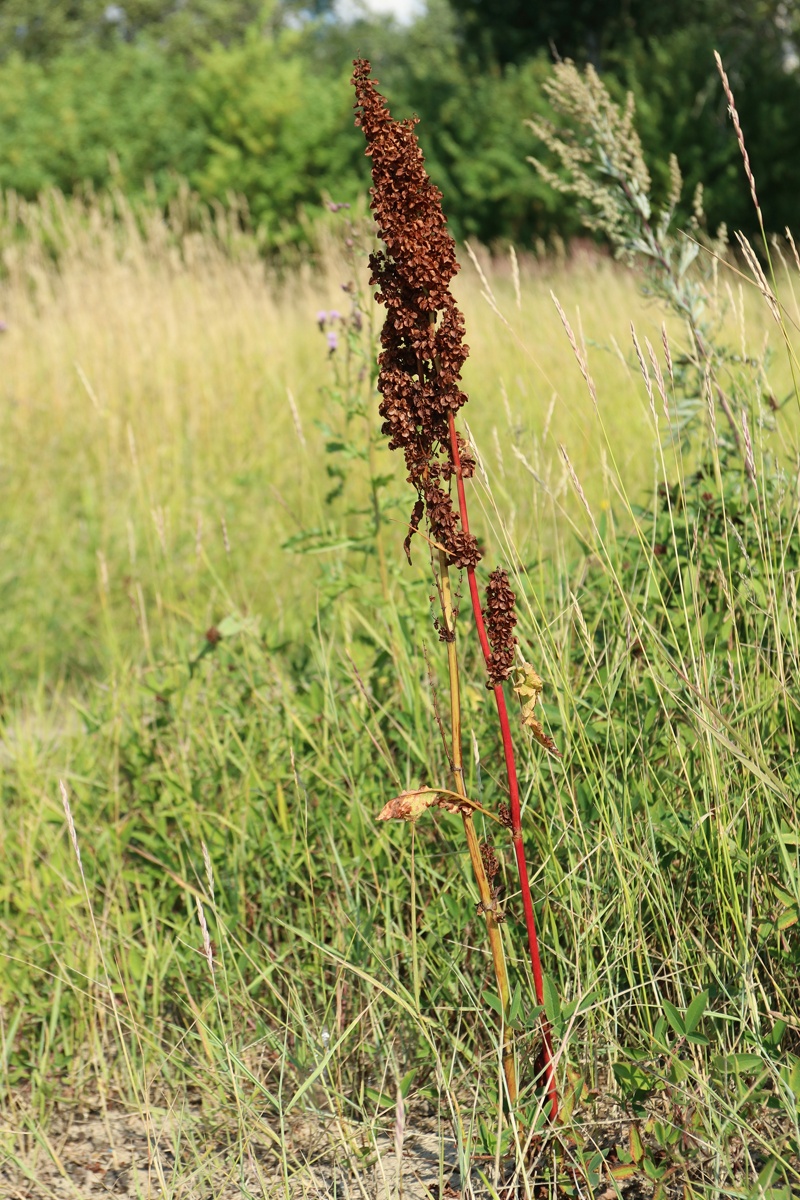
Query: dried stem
x,y
513,792
488,901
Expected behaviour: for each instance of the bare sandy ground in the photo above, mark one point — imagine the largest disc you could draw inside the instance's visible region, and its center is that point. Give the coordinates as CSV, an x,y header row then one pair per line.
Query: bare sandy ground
x,y
92,1154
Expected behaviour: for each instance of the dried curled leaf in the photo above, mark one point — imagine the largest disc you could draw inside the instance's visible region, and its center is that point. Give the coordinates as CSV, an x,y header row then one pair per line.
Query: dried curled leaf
x,y
528,686
410,805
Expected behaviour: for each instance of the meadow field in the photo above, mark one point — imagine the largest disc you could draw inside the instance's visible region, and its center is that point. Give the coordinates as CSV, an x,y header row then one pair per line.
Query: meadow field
x,y
220,975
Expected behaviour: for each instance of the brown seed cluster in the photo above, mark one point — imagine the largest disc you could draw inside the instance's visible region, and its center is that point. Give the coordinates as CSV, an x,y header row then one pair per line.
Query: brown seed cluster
x,y
490,864
422,339
500,620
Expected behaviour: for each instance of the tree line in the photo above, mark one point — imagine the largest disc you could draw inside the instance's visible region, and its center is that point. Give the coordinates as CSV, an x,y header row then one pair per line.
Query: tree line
x,y
252,98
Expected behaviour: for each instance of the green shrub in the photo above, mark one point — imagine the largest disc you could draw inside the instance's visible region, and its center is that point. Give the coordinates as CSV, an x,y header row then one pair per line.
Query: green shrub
x,y
96,117
275,131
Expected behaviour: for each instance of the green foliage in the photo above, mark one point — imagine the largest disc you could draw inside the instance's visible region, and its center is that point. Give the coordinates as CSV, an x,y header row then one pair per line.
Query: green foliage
x,y
44,29
477,148
96,118
275,132
664,54
681,110
475,139
513,30
247,121
255,101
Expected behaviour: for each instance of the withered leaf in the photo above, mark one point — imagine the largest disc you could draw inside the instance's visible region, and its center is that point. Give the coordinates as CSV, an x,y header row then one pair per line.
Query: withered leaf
x,y
528,686
410,805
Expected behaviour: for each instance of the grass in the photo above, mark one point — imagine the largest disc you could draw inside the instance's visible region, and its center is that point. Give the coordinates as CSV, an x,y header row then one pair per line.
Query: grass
x,y
145,380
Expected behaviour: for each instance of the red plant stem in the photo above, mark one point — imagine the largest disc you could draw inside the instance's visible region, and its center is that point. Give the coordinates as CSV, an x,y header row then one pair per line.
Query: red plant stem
x,y
513,791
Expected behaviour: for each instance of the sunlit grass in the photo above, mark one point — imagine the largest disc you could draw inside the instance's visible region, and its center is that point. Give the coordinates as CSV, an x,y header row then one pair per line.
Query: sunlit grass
x,y
152,469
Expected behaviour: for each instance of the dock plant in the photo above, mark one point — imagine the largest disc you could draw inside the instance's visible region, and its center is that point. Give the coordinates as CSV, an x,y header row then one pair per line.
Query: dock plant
x,y
423,353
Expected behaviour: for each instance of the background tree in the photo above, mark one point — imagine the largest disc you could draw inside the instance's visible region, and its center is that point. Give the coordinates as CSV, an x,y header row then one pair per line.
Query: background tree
x,y
664,54
42,29
503,31
251,96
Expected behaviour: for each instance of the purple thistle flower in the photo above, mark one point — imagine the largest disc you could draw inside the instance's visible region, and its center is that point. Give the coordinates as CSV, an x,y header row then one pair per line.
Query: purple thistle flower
x,y
333,315
322,317
333,341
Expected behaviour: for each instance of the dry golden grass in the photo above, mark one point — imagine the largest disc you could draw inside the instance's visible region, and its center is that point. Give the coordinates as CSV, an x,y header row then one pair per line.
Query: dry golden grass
x,y
146,372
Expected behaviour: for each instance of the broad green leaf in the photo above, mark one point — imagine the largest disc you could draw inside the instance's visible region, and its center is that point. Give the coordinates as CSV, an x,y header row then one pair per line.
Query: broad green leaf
x,y
678,1071
652,1170
695,1012
659,1032
787,920
493,1002
674,1018
765,1178
745,1063
514,1007
793,1078
552,1001
776,1034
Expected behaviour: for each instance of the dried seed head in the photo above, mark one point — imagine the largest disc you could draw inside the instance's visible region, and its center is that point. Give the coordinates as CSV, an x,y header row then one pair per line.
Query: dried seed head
x,y
422,339
489,859
500,621
417,513
748,170
749,457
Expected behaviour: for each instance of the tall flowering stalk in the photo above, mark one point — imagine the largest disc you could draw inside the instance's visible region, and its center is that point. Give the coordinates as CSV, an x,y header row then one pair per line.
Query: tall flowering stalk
x,y
423,352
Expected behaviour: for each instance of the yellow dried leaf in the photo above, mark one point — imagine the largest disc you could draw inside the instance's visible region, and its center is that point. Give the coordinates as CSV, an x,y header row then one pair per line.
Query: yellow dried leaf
x,y
542,738
527,683
528,686
410,805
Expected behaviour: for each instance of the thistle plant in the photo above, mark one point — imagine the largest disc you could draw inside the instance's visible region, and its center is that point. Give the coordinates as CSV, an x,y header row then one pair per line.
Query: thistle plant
x,y
423,352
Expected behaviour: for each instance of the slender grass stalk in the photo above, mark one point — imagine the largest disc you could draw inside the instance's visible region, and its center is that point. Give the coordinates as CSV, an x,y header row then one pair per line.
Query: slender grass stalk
x,y
414,940
770,295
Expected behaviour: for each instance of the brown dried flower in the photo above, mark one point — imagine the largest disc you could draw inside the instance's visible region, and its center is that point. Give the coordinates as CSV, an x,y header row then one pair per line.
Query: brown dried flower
x,y
490,864
500,621
423,335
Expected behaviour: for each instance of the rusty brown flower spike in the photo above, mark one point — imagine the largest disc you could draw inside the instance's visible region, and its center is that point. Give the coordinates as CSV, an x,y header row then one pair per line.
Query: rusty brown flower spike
x,y
500,621
423,335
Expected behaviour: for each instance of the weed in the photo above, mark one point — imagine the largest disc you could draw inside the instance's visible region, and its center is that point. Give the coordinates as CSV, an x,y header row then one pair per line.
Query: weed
x,y
419,380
